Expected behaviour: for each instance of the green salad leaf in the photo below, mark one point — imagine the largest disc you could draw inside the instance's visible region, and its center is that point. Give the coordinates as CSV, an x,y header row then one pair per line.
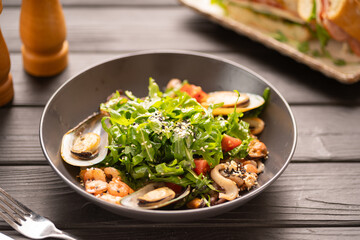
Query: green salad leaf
x,y
322,34
157,138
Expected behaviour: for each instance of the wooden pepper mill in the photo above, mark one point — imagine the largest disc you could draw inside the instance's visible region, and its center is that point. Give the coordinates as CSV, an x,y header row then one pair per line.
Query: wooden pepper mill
x,y
6,84
43,33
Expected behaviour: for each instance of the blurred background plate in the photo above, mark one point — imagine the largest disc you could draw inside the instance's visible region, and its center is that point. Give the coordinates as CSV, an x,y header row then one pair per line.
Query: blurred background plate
x,y
349,73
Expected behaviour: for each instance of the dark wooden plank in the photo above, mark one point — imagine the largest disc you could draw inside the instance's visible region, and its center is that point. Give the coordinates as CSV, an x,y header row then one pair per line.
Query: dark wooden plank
x,y
127,29
306,195
19,136
123,29
16,3
326,133
36,91
217,233
296,82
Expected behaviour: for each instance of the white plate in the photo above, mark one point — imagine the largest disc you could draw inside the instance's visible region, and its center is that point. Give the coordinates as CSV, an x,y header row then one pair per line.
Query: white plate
x,y
349,73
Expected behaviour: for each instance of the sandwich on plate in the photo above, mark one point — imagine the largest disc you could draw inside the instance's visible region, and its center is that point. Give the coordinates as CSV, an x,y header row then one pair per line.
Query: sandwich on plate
x,y
298,21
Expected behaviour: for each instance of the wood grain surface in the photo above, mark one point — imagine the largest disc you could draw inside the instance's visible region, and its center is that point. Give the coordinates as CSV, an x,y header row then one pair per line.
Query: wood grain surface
x,y
72,3
317,197
296,199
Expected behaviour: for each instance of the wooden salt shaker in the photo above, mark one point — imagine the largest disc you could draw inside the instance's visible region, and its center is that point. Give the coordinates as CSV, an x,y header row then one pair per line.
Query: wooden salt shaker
x,y
6,84
43,33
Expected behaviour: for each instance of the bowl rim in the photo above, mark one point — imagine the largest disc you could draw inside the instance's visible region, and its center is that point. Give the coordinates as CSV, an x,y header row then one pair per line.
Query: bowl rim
x,y
158,212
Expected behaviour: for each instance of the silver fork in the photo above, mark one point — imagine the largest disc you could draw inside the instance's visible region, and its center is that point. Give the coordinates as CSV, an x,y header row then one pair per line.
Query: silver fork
x,y
27,222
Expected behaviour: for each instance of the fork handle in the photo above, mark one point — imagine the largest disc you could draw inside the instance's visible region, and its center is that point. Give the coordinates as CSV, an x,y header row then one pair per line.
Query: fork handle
x,y
63,235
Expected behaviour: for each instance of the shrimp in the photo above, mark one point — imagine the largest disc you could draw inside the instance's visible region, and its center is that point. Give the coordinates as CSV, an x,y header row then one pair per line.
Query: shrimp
x,y
109,198
252,162
174,83
250,168
119,188
257,149
255,166
82,173
96,186
93,174
111,173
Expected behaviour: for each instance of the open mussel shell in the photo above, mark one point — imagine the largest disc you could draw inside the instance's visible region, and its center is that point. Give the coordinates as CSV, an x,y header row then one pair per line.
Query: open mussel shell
x,y
246,102
227,98
152,196
257,125
85,144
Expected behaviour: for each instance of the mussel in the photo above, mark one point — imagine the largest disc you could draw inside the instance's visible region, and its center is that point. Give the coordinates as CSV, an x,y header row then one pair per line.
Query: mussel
x,y
256,124
246,102
85,144
228,98
156,197
196,203
152,196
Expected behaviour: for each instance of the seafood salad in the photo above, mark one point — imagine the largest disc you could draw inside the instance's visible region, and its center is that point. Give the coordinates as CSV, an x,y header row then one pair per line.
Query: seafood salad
x,y
181,148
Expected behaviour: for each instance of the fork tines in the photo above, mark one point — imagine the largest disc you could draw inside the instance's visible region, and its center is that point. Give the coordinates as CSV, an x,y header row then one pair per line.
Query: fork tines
x,y
11,210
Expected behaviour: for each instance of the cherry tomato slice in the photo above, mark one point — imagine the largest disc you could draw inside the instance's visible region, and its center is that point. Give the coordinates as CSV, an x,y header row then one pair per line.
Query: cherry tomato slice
x,y
176,188
194,92
228,143
202,166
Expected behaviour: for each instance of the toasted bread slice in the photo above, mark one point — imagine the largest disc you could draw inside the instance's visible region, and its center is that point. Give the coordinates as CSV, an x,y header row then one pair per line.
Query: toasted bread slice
x,y
305,9
346,15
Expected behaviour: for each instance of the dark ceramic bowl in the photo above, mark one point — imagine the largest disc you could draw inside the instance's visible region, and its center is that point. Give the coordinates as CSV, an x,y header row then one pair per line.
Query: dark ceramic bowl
x,y
82,95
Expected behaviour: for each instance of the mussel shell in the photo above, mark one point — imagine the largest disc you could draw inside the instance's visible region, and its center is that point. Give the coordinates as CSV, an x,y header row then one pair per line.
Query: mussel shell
x,y
256,125
228,98
156,197
255,102
90,124
86,146
132,201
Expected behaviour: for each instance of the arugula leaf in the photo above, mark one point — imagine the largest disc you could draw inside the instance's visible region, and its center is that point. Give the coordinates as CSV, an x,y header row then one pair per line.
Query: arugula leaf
x,y
280,36
120,118
146,146
141,172
130,95
313,12
323,35
164,169
339,62
200,185
219,3
154,91
303,47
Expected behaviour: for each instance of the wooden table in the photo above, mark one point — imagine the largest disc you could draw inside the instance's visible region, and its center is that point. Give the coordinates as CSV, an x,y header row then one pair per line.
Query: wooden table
x,y
317,197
